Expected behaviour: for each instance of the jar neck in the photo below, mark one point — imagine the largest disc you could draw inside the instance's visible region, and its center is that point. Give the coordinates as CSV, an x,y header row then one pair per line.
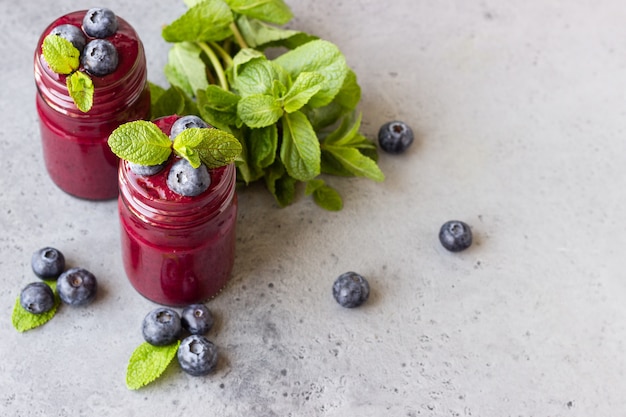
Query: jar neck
x,y
112,92
153,207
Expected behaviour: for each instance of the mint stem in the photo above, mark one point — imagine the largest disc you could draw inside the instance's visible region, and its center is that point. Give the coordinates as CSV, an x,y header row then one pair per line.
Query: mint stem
x,y
219,69
238,37
222,52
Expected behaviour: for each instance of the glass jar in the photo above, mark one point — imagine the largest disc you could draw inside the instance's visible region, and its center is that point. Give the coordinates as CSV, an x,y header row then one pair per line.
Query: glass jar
x,y
177,250
75,149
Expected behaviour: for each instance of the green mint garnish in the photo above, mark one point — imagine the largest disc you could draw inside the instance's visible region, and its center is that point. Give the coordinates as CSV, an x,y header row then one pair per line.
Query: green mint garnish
x,y
60,54
81,89
140,142
23,320
294,115
64,58
147,363
143,143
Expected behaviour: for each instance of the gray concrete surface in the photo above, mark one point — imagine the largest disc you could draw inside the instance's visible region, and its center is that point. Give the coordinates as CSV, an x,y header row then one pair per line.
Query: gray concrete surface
x,y
520,118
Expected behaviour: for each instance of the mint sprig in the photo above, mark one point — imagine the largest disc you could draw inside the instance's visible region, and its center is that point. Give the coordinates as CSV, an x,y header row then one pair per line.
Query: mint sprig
x,y
63,58
294,115
23,320
142,142
148,362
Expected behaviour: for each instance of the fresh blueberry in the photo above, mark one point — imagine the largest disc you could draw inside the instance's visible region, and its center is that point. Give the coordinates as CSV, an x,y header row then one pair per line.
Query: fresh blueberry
x,y
187,122
395,137
47,263
351,289
100,57
455,236
186,180
37,298
100,23
197,355
71,33
197,319
77,287
146,170
161,326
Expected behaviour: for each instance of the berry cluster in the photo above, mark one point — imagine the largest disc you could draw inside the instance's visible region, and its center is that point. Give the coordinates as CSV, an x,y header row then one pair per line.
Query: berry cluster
x,y
164,326
75,286
98,55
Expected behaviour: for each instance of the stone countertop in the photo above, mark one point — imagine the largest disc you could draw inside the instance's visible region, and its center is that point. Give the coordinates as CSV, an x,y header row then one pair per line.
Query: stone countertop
x,y
519,114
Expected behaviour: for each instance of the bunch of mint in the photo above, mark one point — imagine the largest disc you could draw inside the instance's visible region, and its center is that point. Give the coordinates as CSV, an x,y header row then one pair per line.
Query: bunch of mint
x,y
294,115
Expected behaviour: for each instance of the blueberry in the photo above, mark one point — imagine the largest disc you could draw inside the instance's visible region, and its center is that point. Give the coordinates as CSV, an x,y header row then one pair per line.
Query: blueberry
x,y
351,289
146,170
37,298
395,137
187,122
71,33
77,287
161,326
197,319
197,355
186,180
455,235
47,263
100,23
100,57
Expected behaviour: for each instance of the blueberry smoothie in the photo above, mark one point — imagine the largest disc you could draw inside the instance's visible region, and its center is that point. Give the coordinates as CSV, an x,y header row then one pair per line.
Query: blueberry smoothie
x,y
177,249
75,151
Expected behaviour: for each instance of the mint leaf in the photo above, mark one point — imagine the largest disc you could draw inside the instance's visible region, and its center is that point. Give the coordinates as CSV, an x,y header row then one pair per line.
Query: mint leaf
x,y
306,85
147,363
317,56
215,148
324,195
185,68
355,162
81,89
24,320
346,132
246,169
300,149
350,93
206,21
60,54
259,110
140,142
218,106
273,11
263,145
280,184
173,101
260,35
257,76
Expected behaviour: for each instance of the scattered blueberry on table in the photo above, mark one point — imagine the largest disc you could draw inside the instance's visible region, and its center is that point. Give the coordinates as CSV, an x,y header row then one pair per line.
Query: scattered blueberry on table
x,y
351,289
395,137
455,235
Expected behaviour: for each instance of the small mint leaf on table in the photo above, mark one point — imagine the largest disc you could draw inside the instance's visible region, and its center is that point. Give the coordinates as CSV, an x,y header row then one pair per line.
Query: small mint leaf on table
x,y
140,142
260,35
355,162
324,196
81,89
60,54
24,320
213,147
147,363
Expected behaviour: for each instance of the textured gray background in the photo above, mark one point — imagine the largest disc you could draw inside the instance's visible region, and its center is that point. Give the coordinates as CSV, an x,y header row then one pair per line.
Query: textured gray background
x,y
520,118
